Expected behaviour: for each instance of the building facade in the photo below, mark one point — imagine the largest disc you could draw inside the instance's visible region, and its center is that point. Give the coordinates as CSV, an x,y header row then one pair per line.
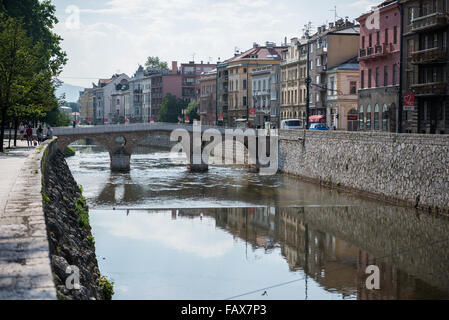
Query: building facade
x,y
265,96
191,73
293,84
329,47
240,67
425,72
208,100
342,100
379,58
86,106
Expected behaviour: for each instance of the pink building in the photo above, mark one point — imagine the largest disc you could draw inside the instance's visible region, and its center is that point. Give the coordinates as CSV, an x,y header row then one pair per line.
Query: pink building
x,y
191,73
379,58
163,83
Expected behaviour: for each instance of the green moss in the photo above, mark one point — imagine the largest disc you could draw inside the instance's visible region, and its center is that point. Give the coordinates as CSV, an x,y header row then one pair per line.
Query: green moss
x,y
91,240
69,152
107,288
45,198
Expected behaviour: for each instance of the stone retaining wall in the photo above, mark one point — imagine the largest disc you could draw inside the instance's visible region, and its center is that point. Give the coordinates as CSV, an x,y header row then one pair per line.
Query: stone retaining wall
x,y
403,169
71,242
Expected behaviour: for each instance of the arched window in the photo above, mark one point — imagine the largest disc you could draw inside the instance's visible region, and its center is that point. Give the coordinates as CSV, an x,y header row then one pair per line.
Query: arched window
x,y
368,117
376,117
361,118
384,118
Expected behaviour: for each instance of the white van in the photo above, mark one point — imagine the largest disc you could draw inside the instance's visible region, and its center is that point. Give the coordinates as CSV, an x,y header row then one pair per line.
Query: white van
x,y
291,124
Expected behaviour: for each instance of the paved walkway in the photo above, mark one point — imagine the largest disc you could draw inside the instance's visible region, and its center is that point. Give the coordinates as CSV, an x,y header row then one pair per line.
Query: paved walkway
x,y
25,270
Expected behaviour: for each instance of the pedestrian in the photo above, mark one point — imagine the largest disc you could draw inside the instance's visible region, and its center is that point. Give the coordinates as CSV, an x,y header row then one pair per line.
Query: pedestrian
x,y
49,133
74,124
22,131
40,134
29,136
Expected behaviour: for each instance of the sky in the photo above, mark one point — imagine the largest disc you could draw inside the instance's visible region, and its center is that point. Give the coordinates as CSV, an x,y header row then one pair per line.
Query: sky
x,y
104,37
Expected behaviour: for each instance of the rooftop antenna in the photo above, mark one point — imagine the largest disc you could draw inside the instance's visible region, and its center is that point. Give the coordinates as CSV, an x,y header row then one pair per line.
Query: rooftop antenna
x,y
335,13
307,28
193,57
210,60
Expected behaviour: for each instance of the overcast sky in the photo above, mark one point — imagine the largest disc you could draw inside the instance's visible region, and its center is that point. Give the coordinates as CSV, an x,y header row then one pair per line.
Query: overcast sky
x,y
116,35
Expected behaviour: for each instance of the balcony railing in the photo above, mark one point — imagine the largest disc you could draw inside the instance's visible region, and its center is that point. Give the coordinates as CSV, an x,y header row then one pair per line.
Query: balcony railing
x,y
430,89
321,69
433,55
429,22
321,51
376,51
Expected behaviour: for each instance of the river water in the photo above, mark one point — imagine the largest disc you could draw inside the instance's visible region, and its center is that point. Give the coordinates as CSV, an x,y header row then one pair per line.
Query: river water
x,y
162,232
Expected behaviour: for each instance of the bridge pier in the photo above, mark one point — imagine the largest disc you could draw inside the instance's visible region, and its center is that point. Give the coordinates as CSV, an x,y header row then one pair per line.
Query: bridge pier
x,y
120,161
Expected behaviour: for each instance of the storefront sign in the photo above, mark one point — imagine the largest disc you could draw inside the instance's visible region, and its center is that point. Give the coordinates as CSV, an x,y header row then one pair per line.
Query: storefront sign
x,y
409,102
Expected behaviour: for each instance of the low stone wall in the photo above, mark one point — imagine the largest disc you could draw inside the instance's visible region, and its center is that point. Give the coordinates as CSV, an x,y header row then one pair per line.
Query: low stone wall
x,y
403,169
70,238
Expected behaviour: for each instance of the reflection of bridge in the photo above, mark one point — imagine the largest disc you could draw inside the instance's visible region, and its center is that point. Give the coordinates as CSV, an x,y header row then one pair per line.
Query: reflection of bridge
x,y
121,140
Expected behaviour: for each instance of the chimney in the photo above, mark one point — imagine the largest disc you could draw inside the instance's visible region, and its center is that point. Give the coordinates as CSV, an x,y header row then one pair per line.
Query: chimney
x,y
331,25
174,67
255,45
319,30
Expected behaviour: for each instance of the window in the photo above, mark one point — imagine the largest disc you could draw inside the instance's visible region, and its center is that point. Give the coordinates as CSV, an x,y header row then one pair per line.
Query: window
x,y
244,70
384,117
395,35
395,74
318,62
369,78
376,117
370,40
363,42
311,65
377,77
244,101
361,118
362,79
368,117
386,36
118,101
244,84
353,87
378,37
385,76
318,79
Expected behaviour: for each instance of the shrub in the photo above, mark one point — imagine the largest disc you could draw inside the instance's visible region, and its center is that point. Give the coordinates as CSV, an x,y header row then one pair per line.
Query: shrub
x,y
69,152
107,288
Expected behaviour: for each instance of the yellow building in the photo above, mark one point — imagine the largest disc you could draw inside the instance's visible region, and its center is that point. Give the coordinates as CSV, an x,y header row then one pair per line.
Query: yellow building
x,y
87,106
240,83
293,80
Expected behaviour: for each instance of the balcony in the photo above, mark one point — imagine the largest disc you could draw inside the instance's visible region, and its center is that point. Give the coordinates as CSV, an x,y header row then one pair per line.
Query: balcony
x,y
321,69
376,52
430,22
321,51
431,89
427,56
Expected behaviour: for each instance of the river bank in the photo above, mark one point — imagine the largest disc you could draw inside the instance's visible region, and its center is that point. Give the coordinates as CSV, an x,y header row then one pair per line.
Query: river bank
x,y
69,233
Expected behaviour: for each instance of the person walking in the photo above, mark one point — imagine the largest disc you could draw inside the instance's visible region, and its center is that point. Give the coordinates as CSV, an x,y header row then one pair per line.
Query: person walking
x,y
40,134
22,131
29,136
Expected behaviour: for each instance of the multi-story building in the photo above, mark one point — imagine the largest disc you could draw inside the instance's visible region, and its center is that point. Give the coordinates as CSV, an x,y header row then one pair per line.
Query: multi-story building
x,y
120,98
379,58
293,80
222,93
329,47
86,106
425,71
191,73
208,100
341,100
265,96
164,82
103,104
239,68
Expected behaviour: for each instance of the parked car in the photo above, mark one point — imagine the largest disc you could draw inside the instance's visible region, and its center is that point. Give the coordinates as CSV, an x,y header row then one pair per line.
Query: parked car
x,y
319,126
292,124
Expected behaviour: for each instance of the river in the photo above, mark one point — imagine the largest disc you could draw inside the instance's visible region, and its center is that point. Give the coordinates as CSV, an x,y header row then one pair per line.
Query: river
x,y
162,232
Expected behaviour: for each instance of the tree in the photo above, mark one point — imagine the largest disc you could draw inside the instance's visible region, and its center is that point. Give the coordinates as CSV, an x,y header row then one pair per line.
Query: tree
x,y
171,109
58,118
155,63
18,64
192,110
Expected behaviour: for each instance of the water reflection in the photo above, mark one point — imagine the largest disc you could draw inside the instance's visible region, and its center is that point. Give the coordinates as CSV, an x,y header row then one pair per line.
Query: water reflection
x,y
253,232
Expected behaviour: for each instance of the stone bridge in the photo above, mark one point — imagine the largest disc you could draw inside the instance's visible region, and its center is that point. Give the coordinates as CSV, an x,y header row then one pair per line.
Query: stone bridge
x,y
197,142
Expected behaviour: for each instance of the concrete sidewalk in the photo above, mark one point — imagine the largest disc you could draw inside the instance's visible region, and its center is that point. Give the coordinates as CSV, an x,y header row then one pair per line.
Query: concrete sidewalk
x,y
25,270
10,164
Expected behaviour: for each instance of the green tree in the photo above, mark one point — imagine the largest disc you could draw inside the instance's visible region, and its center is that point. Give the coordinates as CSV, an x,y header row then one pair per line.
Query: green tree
x,y
171,109
156,63
58,118
193,110
18,64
